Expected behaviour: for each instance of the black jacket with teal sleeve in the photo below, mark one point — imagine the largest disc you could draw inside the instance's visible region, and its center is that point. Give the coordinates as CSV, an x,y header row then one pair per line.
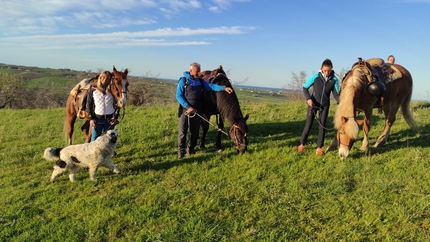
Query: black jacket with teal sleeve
x,y
322,86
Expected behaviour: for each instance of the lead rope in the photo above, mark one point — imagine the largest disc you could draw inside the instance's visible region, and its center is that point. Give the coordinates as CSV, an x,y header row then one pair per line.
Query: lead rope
x,y
315,115
204,119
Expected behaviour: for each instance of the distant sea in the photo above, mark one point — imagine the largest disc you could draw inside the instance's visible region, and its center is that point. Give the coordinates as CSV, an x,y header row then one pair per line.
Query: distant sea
x,y
258,88
239,86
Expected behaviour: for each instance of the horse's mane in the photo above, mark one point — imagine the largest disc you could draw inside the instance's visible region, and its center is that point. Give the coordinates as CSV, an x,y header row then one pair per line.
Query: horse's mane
x,y
228,104
350,90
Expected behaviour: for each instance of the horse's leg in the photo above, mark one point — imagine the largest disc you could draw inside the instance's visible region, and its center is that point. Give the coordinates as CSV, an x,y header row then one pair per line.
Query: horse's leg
x,y
366,129
69,126
69,120
334,145
219,134
390,118
205,128
87,131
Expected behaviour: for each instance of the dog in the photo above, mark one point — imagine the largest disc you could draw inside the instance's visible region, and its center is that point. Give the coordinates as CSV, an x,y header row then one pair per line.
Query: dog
x,y
90,155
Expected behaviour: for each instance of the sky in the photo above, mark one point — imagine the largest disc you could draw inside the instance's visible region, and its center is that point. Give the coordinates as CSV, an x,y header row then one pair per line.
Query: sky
x,y
258,42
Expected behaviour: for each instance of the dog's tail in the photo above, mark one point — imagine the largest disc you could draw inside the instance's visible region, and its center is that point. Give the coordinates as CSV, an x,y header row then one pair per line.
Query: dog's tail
x,y
52,153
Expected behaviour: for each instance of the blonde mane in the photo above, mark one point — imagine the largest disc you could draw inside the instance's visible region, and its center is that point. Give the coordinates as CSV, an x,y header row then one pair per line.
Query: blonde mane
x,y
347,99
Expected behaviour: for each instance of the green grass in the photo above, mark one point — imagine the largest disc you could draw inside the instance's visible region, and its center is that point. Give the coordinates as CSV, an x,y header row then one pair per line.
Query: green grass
x,y
271,193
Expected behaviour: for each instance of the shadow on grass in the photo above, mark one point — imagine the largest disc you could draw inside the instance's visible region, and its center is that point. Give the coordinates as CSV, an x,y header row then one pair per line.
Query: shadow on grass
x,y
402,139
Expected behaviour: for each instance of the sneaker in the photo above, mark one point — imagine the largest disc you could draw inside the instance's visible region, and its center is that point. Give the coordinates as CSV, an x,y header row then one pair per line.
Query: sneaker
x,y
320,151
301,148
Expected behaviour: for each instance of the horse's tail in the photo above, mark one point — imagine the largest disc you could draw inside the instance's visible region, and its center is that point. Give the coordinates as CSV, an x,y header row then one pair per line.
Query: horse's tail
x,y
406,110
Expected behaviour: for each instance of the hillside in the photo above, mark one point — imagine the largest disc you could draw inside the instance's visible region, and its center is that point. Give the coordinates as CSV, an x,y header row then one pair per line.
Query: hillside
x,y
143,91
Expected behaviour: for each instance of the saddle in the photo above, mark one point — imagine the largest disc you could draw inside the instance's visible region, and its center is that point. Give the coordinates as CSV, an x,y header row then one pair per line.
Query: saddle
x,y
390,72
79,94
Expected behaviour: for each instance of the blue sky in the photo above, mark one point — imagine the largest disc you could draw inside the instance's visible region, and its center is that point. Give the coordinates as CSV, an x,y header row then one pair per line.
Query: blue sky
x,y
259,42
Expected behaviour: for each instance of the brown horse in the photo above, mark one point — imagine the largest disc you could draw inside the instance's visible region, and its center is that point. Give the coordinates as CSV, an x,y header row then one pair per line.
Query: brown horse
x,y
228,108
356,97
76,102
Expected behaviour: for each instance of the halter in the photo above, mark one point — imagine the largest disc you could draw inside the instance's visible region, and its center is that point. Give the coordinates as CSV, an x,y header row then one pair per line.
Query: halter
x,y
340,143
235,138
124,91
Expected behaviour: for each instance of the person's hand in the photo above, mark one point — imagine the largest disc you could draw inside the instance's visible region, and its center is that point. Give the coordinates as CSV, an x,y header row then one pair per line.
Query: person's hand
x,y
113,121
229,90
190,110
309,102
92,123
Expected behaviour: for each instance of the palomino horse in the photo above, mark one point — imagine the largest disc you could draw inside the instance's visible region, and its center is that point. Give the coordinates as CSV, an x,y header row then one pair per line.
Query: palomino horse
x,y
227,105
76,102
356,97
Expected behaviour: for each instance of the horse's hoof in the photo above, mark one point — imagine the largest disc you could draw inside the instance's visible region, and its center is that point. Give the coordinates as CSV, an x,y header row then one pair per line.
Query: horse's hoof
x,y
220,150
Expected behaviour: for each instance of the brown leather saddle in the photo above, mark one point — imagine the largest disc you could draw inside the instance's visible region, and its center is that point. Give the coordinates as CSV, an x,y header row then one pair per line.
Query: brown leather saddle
x,y
390,72
79,94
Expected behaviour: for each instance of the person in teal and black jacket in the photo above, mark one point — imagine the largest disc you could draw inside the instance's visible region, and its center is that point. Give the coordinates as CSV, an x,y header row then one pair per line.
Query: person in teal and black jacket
x,y
189,94
323,82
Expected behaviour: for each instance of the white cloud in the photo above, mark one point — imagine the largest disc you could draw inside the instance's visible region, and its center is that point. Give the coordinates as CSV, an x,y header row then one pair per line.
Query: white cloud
x,y
158,37
26,17
221,5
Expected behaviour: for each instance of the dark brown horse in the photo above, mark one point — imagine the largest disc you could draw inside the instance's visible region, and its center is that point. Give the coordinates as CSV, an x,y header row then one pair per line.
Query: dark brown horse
x,y
356,97
228,108
76,102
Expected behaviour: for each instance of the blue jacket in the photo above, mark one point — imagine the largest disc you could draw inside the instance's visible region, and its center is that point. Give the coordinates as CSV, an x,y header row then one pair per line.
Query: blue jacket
x,y
194,90
322,86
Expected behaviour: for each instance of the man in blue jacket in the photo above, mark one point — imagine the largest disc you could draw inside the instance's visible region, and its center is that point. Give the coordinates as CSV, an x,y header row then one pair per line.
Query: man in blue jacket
x,y
189,94
323,83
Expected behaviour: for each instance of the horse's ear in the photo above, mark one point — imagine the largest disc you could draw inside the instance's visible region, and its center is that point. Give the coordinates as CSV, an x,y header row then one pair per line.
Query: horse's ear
x,y
246,116
126,71
220,67
344,119
114,69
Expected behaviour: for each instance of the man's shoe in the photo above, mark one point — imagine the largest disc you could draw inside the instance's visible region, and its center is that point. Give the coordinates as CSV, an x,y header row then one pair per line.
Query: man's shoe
x,y
320,151
301,148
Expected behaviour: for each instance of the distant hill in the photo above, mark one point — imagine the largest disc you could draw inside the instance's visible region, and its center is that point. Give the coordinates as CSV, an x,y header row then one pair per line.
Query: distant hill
x,y
143,90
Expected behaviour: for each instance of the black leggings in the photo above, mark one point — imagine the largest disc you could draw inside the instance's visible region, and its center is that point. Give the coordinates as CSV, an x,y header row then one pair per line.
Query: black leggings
x,y
322,119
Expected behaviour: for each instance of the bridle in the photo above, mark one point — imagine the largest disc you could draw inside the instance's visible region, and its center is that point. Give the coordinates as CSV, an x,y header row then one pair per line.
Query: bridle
x,y
125,89
118,94
234,136
338,134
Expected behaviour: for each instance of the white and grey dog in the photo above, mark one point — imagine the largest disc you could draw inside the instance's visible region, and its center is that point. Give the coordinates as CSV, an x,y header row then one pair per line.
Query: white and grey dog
x,y
91,155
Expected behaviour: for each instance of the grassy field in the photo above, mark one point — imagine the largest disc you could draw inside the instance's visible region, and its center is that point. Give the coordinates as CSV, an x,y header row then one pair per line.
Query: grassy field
x,y
271,193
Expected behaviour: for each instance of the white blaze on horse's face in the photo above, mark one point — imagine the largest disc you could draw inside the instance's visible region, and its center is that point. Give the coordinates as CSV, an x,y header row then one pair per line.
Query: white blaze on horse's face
x,y
123,100
120,78
346,135
343,152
